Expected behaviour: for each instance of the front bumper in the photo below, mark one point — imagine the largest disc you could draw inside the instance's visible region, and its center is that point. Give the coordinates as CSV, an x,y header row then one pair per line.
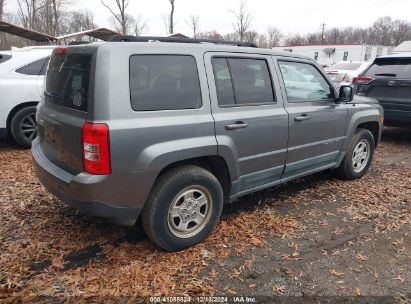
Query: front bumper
x,y
119,198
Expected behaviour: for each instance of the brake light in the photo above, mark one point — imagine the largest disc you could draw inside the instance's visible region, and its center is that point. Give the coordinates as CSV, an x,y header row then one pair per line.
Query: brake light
x,y
60,51
362,79
96,148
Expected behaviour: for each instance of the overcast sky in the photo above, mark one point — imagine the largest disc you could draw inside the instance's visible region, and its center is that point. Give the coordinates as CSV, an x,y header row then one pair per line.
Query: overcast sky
x,y
290,16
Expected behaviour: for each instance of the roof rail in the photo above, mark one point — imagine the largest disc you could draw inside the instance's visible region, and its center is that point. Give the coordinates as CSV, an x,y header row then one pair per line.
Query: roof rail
x,y
129,38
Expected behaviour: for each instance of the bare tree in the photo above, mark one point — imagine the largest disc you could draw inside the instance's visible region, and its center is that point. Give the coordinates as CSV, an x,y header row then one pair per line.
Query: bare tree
x,y
274,36
243,20
121,16
140,25
171,19
194,22
251,36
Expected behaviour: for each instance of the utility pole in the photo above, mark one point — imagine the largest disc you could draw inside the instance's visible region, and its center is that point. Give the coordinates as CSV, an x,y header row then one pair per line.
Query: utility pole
x,y
322,28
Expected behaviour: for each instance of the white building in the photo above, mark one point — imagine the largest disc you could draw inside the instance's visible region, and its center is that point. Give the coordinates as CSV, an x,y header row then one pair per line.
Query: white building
x,y
404,47
326,55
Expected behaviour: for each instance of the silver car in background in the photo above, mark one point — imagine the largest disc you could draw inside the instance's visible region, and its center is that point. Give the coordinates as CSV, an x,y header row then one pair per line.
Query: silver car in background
x,y
343,72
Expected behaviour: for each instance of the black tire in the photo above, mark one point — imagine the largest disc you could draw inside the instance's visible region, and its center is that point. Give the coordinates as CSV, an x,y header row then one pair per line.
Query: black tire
x,y
18,123
155,216
346,170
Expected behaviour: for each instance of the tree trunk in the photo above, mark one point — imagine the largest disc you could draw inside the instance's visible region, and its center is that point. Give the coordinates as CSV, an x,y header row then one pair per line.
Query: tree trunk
x,y
171,30
56,18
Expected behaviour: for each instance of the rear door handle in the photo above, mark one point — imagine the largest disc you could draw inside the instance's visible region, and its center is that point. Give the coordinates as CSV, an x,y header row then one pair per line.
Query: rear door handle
x,y
303,117
237,125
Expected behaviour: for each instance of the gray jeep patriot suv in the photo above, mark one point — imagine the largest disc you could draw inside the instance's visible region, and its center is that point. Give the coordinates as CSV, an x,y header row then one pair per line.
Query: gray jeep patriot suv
x,y
169,130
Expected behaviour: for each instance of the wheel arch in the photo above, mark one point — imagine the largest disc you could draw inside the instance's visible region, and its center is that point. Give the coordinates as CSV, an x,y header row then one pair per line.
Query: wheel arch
x,y
16,109
213,163
374,128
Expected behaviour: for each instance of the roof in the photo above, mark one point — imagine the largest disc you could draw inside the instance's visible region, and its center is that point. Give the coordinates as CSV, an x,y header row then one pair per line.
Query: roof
x,y
24,32
99,33
403,47
171,47
398,55
327,45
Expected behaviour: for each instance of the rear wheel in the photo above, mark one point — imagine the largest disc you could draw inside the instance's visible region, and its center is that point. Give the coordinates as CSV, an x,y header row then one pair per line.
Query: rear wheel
x,y
23,126
359,156
183,209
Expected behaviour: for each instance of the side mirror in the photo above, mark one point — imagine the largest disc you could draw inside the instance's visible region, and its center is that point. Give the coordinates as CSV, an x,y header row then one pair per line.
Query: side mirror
x,y
346,94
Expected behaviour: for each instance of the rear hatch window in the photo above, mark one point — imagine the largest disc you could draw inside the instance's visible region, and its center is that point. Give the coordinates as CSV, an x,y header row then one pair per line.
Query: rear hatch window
x,y
391,67
68,79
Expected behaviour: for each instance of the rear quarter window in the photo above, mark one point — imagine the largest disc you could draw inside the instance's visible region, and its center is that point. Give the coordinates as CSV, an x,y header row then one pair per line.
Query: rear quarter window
x,y
35,68
398,67
164,82
4,58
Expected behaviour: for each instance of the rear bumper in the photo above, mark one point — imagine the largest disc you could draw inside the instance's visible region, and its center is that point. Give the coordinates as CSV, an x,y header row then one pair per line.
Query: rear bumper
x,y
119,198
397,118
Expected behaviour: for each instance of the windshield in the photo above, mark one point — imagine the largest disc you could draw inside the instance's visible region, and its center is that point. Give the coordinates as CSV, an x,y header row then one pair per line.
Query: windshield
x,y
346,66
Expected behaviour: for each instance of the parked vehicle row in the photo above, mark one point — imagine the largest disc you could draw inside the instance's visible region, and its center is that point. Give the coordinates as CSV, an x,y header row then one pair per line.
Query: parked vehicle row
x,y
343,72
169,131
21,79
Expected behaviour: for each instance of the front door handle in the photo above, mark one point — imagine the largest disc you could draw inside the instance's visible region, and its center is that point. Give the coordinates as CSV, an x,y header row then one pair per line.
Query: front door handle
x,y
237,125
303,117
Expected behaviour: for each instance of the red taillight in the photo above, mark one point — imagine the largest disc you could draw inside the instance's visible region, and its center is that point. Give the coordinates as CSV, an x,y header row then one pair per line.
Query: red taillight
x,y
60,51
96,148
362,79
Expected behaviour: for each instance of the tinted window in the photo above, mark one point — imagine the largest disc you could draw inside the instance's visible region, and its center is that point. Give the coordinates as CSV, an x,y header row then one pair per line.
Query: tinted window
x,y
303,82
68,80
225,92
4,57
34,68
164,82
396,67
242,81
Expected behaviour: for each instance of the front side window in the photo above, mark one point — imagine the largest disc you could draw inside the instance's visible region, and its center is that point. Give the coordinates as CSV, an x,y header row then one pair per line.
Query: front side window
x,y
303,82
34,68
164,82
242,81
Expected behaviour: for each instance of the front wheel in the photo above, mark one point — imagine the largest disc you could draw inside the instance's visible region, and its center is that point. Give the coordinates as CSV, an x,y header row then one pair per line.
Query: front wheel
x,y
183,208
359,156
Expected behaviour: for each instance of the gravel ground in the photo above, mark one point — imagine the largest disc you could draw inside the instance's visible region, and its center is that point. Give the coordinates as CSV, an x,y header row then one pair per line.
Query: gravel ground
x,y
317,238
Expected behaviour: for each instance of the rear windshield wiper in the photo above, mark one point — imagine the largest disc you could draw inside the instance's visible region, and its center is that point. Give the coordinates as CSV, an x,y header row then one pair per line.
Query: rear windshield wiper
x,y
47,94
386,74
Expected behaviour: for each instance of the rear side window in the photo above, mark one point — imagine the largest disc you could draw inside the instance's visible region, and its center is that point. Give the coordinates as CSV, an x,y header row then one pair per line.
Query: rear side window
x,y
4,57
34,68
164,82
242,81
68,79
395,67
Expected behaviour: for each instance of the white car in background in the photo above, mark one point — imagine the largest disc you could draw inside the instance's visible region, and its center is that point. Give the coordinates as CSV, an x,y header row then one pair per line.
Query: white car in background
x,y
21,86
343,72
